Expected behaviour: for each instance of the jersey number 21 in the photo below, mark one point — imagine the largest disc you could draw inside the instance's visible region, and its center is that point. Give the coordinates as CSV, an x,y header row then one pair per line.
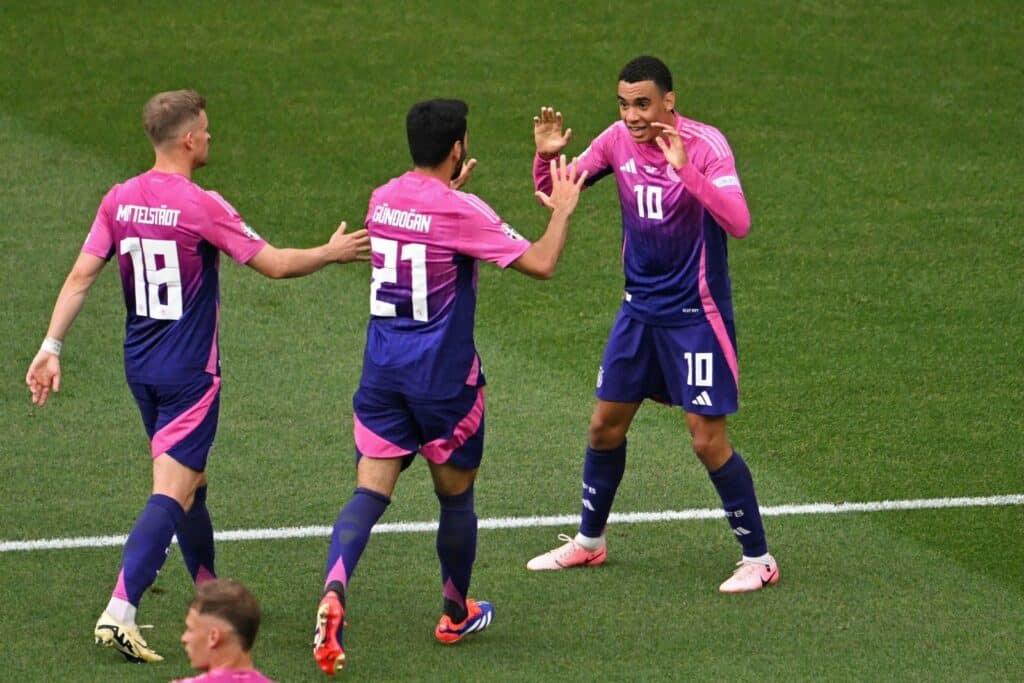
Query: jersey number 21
x,y
388,274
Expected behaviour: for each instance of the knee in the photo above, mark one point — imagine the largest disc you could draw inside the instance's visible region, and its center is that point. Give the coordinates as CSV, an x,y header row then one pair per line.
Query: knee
x,y
713,451
378,474
604,435
182,491
702,445
451,481
456,502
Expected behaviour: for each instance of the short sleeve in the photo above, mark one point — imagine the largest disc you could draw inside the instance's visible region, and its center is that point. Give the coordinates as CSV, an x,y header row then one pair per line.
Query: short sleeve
x,y
100,241
484,236
227,231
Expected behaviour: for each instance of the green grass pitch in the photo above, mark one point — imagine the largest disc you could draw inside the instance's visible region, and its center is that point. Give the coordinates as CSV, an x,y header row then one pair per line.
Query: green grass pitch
x,y
879,302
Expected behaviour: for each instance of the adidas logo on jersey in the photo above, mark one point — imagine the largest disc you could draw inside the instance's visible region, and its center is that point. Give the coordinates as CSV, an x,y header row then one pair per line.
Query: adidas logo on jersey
x,y
628,167
702,399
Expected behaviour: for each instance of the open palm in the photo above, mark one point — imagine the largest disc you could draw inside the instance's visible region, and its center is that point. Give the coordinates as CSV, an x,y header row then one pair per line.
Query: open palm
x,y
547,133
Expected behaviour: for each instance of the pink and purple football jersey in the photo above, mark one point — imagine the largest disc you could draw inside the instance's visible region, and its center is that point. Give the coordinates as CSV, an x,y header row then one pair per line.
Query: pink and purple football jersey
x,y
426,240
166,233
227,676
674,252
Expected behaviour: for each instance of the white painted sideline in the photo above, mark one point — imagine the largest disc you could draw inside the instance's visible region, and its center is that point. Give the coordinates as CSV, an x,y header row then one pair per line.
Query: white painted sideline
x,y
558,520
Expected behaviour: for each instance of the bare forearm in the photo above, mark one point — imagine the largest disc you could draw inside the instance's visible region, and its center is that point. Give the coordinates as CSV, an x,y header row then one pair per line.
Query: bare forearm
x,y
548,249
69,304
298,262
553,239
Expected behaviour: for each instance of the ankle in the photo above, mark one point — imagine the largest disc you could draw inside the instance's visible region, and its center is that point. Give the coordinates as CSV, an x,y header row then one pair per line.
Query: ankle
x,y
590,542
765,559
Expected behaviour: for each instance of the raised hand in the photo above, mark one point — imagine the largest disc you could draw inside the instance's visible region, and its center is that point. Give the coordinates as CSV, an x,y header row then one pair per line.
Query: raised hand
x,y
349,246
671,145
467,170
565,186
548,135
43,376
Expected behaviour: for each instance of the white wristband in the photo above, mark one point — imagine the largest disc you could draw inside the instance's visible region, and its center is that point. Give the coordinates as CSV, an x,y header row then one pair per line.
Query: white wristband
x,y
51,345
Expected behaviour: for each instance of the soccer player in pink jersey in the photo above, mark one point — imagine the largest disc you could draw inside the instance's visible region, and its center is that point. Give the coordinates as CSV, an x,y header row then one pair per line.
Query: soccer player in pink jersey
x,y
422,386
673,339
220,630
166,233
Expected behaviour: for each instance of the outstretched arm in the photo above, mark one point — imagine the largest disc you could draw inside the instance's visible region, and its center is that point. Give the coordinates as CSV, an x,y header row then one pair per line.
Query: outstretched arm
x,y
729,209
284,263
540,259
44,372
550,141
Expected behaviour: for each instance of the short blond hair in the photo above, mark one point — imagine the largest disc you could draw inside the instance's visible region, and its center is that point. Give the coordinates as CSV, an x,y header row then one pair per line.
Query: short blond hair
x,y
166,113
229,600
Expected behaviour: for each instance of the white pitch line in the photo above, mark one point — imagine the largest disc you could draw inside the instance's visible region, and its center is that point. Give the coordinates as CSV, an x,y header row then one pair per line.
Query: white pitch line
x,y
534,522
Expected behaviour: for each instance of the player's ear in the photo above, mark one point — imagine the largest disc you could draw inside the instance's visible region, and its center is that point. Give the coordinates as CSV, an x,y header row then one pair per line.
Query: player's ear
x,y
669,101
214,637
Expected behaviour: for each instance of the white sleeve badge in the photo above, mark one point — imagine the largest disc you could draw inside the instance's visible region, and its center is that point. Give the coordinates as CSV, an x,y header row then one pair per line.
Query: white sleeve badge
x,y
250,233
510,232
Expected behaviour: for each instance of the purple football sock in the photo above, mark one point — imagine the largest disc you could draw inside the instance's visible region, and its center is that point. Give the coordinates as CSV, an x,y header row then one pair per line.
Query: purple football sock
x,y
352,532
456,549
146,548
602,473
736,488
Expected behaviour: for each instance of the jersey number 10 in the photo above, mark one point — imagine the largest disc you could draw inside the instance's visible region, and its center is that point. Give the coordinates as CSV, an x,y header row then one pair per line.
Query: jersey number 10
x,y
388,274
149,277
648,201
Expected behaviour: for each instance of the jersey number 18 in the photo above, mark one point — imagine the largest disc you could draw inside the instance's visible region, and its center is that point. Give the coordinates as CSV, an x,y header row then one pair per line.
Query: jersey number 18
x,y
149,277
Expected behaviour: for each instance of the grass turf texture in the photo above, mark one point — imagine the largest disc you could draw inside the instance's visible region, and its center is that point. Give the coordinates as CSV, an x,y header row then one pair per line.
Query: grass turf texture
x,y
878,298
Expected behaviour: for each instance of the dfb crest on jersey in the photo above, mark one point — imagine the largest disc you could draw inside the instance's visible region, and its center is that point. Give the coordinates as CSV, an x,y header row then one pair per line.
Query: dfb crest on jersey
x,y
250,233
510,232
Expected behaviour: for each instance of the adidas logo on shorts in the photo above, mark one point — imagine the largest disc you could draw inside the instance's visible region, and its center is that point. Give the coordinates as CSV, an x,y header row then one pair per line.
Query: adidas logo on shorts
x,y
702,400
